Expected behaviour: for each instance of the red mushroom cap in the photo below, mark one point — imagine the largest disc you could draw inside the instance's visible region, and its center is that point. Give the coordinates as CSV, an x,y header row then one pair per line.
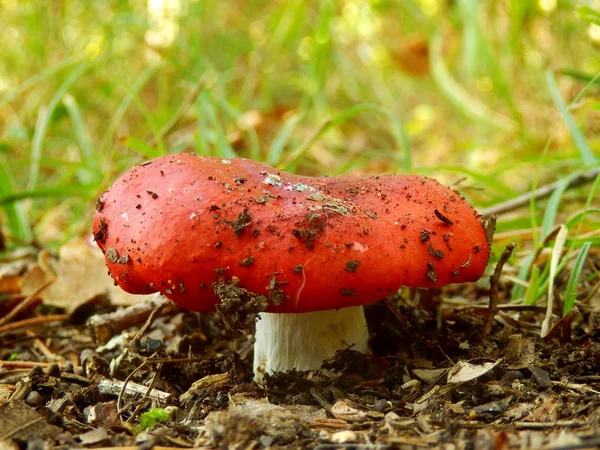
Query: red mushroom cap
x,y
180,223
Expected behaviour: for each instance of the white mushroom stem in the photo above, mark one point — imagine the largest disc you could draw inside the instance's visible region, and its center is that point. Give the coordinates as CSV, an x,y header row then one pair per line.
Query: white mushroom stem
x,y
302,341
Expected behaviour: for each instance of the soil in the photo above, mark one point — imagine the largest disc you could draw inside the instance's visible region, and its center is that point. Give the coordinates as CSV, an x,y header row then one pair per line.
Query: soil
x,y
438,376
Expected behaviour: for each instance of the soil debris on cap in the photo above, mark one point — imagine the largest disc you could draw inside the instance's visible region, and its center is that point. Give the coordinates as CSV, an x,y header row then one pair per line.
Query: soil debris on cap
x,y
351,266
309,230
276,295
238,306
442,217
246,261
102,232
244,219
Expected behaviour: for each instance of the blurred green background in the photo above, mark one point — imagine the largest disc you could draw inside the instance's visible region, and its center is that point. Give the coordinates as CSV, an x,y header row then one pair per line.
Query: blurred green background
x,y
502,92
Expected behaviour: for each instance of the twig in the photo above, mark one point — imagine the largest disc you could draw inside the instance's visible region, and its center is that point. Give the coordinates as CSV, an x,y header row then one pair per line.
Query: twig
x,y
564,324
391,306
548,425
105,326
507,307
159,308
48,354
593,442
32,322
147,394
23,364
113,387
25,303
494,281
540,193
124,387
155,447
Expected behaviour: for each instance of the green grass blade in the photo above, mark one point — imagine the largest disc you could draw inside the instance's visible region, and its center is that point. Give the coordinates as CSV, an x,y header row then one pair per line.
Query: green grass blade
x,y
208,107
276,150
60,191
40,76
125,104
89,173
18,225
397,132
577,218
44,117
479,55
587,155
487,180
553,205
457,95
81,133
141,147
580,76
589,15
518,290
570,294
533,286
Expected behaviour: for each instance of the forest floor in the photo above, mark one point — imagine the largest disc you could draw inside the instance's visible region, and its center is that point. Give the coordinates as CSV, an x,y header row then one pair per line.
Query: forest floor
x,y
440,375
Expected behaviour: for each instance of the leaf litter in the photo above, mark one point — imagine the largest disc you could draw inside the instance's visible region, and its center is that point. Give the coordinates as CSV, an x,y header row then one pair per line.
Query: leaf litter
x,y
80,367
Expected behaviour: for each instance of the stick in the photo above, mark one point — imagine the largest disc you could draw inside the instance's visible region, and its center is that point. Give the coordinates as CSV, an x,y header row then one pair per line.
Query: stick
x,y
540,193
494,280
114,387
32,322
105,326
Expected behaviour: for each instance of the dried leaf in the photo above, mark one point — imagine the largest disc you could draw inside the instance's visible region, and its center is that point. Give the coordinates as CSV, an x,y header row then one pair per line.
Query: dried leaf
x,y
342,410
81,276
429,376
464,371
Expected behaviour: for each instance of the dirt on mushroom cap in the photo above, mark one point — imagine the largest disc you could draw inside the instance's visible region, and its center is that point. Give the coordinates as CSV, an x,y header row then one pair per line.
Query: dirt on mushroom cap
x,y
187,221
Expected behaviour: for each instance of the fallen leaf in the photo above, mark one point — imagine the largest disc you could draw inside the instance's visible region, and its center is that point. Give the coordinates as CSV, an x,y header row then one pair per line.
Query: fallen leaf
x,y
81,276
20,421
464,371
342,410
429,376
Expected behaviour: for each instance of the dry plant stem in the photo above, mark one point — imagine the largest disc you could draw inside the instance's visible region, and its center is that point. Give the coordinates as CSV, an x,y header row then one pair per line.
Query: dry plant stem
x,y
479,309
155,312
39,345
151,318
114,387
25,303
23,364
593,291
494,281
563,326
540,193
105,326
555,256
127,380
156,447
33,322
520,325
393,308
147,394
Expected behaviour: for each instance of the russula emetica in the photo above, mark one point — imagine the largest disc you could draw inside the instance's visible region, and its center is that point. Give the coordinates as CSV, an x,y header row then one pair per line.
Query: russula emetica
x,y
318,248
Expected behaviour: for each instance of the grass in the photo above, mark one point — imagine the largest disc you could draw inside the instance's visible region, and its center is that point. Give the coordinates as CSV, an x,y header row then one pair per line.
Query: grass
x,y
500,93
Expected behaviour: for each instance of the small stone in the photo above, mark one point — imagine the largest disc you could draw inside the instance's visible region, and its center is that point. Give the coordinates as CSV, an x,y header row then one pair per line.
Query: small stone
x,y
343,437
34,399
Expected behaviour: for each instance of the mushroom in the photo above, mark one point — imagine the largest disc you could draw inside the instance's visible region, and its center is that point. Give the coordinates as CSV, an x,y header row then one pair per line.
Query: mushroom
x,y
313,250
